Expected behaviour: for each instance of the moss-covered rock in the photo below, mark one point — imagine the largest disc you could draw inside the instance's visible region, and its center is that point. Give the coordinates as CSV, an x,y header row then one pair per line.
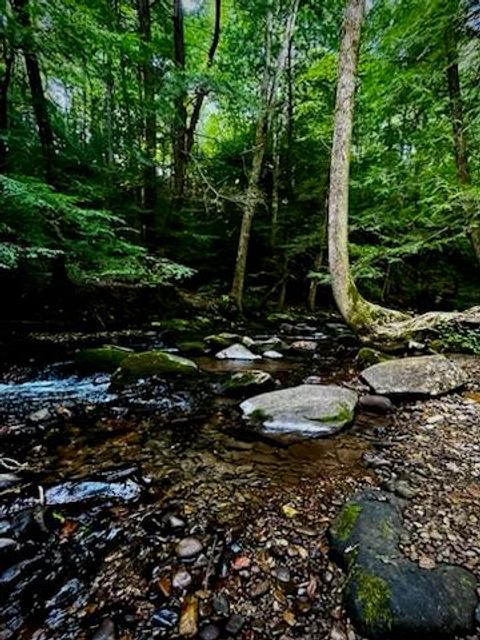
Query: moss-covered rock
x,y
387,596
367,356
150,363
107,358
222,340
248,381
192,347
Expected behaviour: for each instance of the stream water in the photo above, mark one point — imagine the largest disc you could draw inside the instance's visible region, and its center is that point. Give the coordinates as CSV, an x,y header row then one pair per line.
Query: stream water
x,y
90,475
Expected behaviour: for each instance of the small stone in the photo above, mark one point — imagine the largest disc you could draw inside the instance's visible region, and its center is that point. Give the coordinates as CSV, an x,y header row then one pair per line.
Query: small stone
x,y
272,355
106,630
260,589
305,346
39,416
221,605
404,490
282,574
313,380
165,618
235,624
237,352
209,632
189,619
175,523
376,404
189,547
7,545
182,579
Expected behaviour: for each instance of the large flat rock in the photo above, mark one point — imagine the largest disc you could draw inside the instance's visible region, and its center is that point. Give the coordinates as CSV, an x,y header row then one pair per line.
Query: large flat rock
x,y
418,376
307,411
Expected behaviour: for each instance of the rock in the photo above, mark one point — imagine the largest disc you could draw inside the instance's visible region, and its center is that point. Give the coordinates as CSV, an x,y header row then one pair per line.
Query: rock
x,y
376,404
165,618
306,410
150,363
253,380
404,490
221,605
417,376
282,574
106,631
182,579
367,356
313,380
235,624
107,358
192,347
209,632
7,546
387,595
237,352
73,492
222,340
189,617
8,480
304,346
39,416
189,547
272,355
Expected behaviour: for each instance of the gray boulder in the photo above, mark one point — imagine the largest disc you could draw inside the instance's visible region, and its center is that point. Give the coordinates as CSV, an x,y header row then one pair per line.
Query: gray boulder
x,y
306,411
237,352
248,381
387,596
418,376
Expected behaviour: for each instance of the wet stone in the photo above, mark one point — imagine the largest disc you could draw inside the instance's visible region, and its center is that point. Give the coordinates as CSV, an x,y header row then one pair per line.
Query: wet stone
x,y
106,631
181,580
209,632
282,574
221,605
165,618
376,404
189,547
7,546
235,624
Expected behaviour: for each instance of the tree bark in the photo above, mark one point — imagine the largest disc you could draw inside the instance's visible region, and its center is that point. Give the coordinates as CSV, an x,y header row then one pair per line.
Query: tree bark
x,y
357,312
180,125
268,95
4,87
149,124
458,126
39,102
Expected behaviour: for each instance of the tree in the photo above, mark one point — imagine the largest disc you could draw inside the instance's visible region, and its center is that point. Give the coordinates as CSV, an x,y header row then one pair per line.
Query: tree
x,y
273,70
370,321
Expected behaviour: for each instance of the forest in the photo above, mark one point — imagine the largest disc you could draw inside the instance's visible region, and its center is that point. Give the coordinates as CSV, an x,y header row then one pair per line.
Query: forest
x,y
240,329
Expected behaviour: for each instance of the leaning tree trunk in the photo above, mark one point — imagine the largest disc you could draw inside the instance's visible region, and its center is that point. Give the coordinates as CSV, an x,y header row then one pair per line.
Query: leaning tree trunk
x,y
373,324
4,86
180,109
356,311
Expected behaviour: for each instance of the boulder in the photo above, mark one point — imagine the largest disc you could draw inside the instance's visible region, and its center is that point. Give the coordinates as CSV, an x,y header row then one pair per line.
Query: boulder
x,y
306,411
253,380
149,363
387,595
107,358
237,352
272,355
418,376
192,347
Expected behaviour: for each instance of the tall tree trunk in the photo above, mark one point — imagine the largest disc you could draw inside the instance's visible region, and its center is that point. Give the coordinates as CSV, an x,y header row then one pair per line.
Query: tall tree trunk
x,y
272,75
39,102
4,86
458,126
180,125
150,124
357,312
275,205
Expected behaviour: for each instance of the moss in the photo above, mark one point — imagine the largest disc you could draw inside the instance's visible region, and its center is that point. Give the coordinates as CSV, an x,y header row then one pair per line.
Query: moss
x,y
368,356
259,416
373,594
342,416
106,358
192,347
149,363
345,521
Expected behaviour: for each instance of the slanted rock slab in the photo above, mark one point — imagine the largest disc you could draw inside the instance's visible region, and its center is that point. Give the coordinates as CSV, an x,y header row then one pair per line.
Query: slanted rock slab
x,y
418,376
388,596
308,411
237,352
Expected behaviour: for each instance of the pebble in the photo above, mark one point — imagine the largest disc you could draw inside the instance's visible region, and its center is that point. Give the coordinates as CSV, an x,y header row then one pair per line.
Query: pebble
x,y
235,624
404,490
39,416
209,632
165,618
221,605
376,404
282,574
189,547
106,630
182,579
